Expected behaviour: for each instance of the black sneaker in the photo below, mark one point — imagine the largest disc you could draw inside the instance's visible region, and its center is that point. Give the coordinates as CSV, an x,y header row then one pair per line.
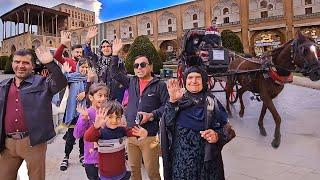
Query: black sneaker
x,y
127,176
81,158
64,164
65,136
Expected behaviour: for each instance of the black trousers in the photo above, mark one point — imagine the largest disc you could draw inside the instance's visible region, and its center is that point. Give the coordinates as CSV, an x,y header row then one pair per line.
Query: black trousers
x,y
70,140
92,171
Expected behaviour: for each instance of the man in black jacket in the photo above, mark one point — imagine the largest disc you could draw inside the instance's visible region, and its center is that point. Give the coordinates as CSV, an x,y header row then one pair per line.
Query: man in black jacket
x,y
147,98
26,114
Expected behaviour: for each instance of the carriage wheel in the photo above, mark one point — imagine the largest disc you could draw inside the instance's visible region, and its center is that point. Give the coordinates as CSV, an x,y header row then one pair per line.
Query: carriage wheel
x,y
180,75
233,95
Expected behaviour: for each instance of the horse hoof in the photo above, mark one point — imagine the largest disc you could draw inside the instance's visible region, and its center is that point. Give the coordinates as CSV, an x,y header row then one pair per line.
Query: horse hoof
x,y
241,114
263,131
275,143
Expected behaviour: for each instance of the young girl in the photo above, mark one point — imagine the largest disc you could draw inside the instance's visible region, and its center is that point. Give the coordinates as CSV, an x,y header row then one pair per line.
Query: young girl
x,y
110,133
98,94
78,86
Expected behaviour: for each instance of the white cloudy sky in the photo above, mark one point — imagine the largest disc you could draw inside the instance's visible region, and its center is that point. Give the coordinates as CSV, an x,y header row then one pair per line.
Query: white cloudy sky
x,y
7,5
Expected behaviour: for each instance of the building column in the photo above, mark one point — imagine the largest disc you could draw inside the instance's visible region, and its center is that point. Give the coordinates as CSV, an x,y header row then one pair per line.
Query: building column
x,y
28,10
135,30
207,13
244,16
56,25
38,24
4,29
118,30
52,26
42,29
288,13
10,23
17,25
155,29
179,24
24,21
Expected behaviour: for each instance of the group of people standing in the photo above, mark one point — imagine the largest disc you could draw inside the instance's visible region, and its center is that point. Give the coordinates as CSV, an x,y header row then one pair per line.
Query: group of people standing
x,y
191,121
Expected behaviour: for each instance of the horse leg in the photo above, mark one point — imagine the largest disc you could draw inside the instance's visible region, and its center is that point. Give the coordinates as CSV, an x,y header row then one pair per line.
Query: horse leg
x,y
260,123
229,88
277,119
240,93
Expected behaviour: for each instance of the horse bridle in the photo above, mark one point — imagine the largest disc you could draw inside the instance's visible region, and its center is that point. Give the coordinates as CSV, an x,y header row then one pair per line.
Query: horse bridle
x,y
306,69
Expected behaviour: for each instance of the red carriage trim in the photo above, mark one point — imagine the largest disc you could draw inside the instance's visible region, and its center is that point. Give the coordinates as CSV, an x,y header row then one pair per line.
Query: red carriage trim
x,y
280,79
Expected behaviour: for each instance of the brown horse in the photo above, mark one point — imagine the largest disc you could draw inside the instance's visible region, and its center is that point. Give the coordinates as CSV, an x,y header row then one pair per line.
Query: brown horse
x,y
297,55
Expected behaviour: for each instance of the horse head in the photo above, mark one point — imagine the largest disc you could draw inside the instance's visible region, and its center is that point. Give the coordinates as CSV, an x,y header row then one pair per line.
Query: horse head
x,y
304,56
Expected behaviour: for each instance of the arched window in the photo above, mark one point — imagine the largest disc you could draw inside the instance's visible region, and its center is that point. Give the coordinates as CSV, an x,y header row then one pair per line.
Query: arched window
x,y
263,4
195,17
148,25
130,28
225,11
307,2
270,7
114,31
169,21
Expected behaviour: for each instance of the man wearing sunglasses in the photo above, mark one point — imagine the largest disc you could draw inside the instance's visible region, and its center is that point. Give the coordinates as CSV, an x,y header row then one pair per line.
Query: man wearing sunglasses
x,y
101,63
147,98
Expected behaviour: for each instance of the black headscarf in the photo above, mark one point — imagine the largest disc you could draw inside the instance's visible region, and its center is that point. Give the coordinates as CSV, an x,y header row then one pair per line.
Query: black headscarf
x,y
100,48
200,70
190,99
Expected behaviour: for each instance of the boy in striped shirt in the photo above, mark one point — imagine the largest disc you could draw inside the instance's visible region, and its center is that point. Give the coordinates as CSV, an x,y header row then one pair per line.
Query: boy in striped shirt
x,y
109,132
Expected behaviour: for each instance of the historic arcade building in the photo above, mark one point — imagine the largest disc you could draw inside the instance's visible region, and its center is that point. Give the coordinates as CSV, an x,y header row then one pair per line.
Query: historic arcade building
x,y
261,24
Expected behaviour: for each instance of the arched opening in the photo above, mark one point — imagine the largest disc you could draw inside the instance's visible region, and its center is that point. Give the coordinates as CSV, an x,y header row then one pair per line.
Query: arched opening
x,y
148,25
195,17
170,48
74,39
81,24
35,43
264,41
169,21
13,49
263,4
308,2
270,7
225,11
312,32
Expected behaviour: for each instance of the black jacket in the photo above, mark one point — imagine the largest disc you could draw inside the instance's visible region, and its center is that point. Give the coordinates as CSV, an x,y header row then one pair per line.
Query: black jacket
x,y
152,100
36,95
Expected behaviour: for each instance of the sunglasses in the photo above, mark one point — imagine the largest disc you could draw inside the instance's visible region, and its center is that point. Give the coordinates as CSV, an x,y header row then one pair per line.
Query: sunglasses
x,y
142,65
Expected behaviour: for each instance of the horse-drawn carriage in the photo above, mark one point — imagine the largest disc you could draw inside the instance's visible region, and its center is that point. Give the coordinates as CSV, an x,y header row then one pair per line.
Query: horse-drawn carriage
x,y
236,74
199,48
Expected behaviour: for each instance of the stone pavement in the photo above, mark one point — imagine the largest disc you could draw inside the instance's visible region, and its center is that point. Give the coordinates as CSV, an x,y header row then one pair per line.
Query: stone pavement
x,y
306,82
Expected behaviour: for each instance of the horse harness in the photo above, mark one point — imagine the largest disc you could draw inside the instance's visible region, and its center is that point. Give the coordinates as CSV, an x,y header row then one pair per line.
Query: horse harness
x,y
268,69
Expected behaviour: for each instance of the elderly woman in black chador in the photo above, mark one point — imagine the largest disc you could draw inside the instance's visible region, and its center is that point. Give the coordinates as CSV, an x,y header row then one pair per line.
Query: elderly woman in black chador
x,y
194,129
